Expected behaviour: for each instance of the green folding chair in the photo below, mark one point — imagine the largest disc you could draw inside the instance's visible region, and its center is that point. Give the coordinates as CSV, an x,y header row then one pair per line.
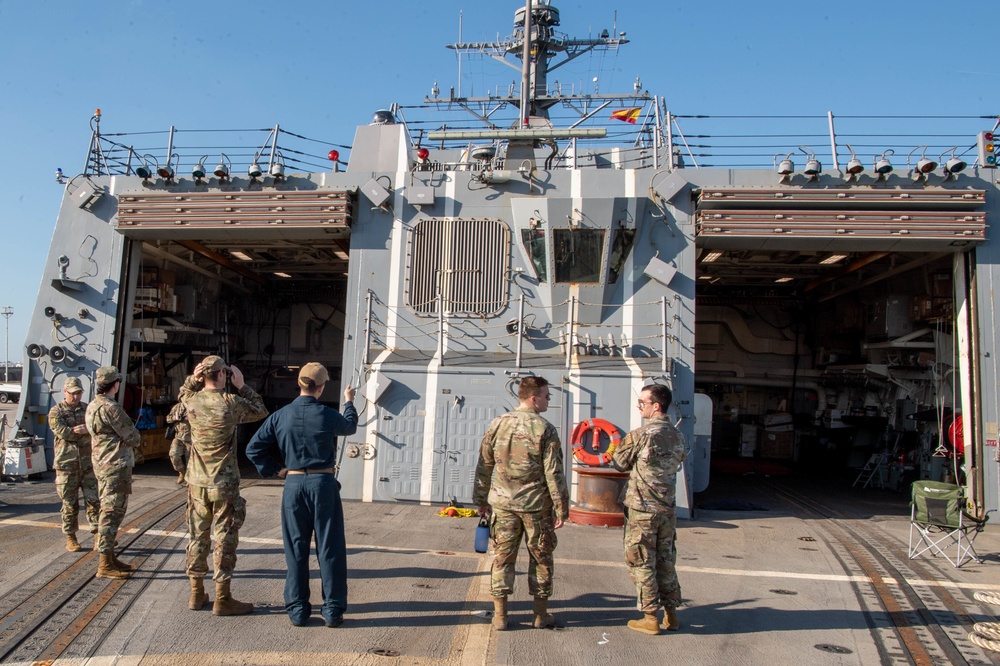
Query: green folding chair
x,y
940,524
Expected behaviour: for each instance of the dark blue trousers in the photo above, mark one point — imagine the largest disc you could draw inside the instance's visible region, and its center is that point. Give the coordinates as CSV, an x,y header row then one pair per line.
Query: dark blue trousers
x,y
310,504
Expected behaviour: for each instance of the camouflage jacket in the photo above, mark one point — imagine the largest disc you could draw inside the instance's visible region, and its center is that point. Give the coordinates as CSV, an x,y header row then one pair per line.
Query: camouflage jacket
x,y
653,452
178,417
521,465
70,447
113,436
213,416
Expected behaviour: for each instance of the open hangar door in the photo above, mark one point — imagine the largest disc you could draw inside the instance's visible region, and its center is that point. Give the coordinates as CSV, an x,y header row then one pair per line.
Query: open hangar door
x,y
268,300
832,353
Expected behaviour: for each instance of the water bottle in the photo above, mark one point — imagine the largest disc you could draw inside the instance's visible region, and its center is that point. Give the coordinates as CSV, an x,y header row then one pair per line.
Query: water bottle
x,y
482,535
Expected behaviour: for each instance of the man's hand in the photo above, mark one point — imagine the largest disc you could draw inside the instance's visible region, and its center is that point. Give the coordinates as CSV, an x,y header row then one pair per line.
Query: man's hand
x,y
557,523
236,376
349,393
80,429
283,472
484,511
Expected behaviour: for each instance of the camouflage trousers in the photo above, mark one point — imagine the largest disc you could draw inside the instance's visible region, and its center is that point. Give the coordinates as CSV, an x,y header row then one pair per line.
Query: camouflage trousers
x,y
114,489
69,483
538,530
179,453
227,510
651,555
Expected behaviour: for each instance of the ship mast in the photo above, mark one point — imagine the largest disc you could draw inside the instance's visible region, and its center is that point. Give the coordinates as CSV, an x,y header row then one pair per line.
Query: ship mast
x,y
537,44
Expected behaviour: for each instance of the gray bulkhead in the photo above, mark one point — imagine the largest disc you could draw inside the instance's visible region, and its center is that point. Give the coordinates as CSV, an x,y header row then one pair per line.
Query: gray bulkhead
x,y
429,399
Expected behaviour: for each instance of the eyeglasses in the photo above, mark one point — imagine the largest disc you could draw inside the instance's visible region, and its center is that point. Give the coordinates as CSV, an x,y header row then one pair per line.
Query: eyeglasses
x,y
641,403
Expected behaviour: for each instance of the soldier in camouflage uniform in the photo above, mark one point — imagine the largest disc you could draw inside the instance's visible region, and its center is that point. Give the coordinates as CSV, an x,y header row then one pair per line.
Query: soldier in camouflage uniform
x,y
521,485
115,440
653,453
213,477
180,447
74,471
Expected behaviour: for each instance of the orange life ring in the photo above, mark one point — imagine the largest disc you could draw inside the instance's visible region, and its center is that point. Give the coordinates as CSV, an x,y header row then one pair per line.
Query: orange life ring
x,y
597,426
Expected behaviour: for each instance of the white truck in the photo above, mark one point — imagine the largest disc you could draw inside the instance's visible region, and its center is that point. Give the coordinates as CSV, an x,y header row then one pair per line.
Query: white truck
x,y
9,391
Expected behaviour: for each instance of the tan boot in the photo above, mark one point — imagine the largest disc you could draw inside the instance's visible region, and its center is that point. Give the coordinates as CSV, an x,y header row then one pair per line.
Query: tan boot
x,y
649,624
72,545
180,478
500,613
543,619
198,597
106,568
670,620
122,566
225,604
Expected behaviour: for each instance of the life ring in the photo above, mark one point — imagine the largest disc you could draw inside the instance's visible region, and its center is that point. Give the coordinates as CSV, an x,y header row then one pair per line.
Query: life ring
x,y
597,426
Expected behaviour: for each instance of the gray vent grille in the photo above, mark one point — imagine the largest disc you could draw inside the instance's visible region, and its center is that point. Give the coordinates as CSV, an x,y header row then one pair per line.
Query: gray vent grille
x,y
468,259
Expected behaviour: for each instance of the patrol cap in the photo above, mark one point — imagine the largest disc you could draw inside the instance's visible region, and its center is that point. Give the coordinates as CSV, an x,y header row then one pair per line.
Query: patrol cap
x,y
211,364
73,385
314,371
107,374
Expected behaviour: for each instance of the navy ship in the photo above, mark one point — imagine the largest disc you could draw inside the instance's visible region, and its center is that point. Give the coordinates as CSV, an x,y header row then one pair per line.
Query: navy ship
x,y
807,319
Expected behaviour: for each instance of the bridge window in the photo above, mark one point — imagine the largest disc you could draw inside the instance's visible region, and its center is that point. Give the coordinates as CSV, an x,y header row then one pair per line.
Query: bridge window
x,y
578,254
534,244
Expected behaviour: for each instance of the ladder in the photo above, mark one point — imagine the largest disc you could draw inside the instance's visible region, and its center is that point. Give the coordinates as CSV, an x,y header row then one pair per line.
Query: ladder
x,y
876,466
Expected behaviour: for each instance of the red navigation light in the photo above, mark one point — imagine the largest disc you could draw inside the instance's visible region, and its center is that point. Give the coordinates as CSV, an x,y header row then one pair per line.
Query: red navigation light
x,y
97,113
423,154
333,155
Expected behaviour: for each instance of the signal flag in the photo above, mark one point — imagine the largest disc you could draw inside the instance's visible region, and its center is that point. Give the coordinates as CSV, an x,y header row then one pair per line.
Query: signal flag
x,y
627,115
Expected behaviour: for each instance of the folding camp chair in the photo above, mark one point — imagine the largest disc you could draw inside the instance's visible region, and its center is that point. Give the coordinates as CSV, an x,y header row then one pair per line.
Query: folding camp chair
x,y
937,515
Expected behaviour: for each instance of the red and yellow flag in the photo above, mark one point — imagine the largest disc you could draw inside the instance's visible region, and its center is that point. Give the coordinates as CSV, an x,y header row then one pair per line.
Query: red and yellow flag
x,y
627,115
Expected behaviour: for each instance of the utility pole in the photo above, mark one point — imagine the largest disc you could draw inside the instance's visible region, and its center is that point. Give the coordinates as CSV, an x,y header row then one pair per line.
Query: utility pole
x,y
6,312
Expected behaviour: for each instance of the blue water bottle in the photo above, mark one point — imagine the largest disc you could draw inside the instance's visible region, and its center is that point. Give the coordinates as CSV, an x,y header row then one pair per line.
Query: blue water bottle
x,y
482,535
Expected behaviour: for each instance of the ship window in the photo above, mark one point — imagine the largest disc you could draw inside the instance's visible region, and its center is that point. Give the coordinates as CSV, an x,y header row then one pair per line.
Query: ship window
x,y
534,243
621,245
578,254
463,264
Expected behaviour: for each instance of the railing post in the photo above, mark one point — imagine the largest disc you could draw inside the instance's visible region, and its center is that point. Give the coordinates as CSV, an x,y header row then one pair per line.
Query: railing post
x,y
520,333
663,318
569,332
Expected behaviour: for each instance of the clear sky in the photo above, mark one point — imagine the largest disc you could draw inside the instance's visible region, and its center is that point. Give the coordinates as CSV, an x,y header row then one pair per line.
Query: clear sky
x,y
321,68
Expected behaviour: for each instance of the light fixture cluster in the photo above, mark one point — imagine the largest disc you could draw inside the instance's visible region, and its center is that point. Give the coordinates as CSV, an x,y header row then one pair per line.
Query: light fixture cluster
x,y
881,165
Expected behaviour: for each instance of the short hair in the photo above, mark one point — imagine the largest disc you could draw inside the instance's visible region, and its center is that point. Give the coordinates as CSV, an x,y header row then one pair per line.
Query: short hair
x,y
104,388
308,384
214,376
530,386
659,394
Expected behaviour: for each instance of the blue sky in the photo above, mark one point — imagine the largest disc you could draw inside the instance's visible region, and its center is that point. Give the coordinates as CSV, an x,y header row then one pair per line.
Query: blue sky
x,y
321,68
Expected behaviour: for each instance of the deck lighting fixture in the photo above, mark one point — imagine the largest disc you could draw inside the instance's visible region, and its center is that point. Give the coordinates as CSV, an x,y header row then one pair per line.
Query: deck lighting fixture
x,y
166,172
813,167
277,169
854,166
241,255
710,257
784,279
883,167
143,170
952,166
785,167
223,168
832,259
284,275
924,165
198,172
254,170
